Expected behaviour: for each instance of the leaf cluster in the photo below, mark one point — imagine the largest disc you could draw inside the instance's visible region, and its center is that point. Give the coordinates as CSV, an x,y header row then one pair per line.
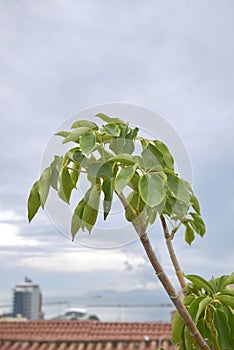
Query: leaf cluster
x,y
118,162
210,305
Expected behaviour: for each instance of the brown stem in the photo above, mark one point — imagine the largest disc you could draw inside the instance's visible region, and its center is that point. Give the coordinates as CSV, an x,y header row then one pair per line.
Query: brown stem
x,y
172,293
140,229
172,254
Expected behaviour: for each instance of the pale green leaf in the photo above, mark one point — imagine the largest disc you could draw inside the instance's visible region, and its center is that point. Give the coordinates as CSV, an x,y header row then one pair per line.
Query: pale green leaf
x,y
44,185
152,215
112,129
107,119
55,167
63,133
151,188
124,177
123,158
98,170
84,123
75,134
168,159
152,157
75,173
34,201
87,142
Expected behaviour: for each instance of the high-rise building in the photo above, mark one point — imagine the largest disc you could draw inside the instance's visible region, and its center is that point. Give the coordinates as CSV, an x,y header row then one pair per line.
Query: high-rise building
x,y
27,300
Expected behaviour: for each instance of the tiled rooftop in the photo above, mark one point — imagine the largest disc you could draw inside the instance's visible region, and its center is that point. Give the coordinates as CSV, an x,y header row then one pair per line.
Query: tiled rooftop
x,y
84,335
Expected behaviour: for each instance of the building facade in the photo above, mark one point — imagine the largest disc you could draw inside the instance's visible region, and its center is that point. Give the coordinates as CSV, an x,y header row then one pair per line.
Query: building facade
x,y
27,300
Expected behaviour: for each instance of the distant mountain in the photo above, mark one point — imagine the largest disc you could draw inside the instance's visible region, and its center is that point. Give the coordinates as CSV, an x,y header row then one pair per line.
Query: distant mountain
x,y
135,296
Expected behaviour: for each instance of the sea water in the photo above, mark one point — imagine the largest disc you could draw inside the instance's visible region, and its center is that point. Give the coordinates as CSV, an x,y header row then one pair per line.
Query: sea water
x,y
113,308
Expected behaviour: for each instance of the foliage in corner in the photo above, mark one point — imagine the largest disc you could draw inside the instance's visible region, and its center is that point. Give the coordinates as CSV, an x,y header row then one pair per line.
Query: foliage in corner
x,y
211,306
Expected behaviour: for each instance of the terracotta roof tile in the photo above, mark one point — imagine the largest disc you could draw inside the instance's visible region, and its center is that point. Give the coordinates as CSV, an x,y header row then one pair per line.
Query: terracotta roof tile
x,y
84,335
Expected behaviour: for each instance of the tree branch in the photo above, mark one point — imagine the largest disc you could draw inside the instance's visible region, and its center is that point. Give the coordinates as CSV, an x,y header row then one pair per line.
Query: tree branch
x,y
172,254
172,293
140,229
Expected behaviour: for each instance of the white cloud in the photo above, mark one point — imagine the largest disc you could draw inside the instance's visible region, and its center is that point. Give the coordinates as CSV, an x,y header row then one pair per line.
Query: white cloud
x,y
10,215
10,237
81,261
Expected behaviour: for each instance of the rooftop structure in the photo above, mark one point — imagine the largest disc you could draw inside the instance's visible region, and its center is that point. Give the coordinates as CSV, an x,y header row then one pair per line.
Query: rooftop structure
x,y
84,335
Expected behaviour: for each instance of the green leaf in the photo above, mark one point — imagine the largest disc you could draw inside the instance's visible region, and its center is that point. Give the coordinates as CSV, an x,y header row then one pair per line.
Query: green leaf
x,y
75,173
90,212
163,149
87,142
76,222
200,283
225,338
34,201
194,306
132,134
98,170
124,177
55,167
78,156
189,341
107,119
123,158
188,299
226,299
189,235
107,188
84,123
202,305
151,188
200,223
152,215
204,330
112,129
44,185
75,134
226,280
195,204
178,188
177,328
65,185
134,183
229,314
152,157
63,133
135,206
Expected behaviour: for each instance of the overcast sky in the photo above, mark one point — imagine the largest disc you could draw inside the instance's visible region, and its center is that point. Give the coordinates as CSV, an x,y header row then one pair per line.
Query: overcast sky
x,y
59,57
